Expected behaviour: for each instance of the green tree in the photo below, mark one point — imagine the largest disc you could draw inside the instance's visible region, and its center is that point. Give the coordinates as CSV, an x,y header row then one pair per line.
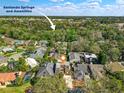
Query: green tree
x,y
19,81
21,65
71,35
102,58
105,85
114,54
54,84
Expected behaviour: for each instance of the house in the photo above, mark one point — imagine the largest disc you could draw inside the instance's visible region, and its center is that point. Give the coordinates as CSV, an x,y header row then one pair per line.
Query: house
x,y
96,70
78,83
65,68
50,69
19,42
89,57
47,69
80,71
42,43
39,52
115,67
74,57
57,67
53,52
8,41
27,76
29,43
26,42
3,61
8,49
8,78
120,26
31,62
11,65
16,56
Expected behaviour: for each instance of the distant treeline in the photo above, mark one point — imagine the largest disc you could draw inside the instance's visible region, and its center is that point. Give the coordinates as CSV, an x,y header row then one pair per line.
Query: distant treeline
x,y
102,19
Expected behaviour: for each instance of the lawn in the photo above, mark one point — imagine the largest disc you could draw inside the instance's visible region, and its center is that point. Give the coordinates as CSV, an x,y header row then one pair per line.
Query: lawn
x,y
20,89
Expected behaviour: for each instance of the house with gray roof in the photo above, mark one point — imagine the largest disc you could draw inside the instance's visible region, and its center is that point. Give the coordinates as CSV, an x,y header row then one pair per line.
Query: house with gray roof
x,y
39,52
43,43
47,69
80,70
3,61
74,57
97,71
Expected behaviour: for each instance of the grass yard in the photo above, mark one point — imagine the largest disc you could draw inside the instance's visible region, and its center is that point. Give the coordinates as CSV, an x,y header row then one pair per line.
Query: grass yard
x,y
20,89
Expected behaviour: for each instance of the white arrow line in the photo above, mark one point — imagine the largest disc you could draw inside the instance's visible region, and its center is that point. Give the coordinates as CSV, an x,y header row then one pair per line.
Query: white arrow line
x,y
52,25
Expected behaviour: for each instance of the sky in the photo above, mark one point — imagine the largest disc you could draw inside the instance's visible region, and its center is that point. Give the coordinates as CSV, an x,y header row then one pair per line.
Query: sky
x,y
67,7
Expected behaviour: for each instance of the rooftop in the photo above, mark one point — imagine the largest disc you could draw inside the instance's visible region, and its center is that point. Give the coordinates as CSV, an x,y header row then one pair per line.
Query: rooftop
x,y
5,77
115,67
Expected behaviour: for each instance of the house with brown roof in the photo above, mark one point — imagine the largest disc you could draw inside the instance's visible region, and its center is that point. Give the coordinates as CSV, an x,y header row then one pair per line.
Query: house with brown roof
x,y
115,67
78,83
8,41
8,78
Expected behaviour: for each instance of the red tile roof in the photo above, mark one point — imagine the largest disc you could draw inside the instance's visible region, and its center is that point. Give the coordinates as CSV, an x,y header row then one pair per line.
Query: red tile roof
x,y
5,77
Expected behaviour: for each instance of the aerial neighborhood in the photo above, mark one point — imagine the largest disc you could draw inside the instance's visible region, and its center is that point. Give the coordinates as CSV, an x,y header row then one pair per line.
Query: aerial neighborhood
x,y
74,63
17,63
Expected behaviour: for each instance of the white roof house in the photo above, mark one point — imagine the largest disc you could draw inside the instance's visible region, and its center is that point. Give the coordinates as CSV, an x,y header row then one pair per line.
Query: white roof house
x,y
31,62
87,55
7,49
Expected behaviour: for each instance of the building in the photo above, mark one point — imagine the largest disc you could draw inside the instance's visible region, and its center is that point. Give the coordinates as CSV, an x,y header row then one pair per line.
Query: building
x,y
3,61
31,62
80,71
29,43
42,43
89,57
97,71
74,57
7,49
8,41
78,83
115,67
47,69
54,54
12,65
40,52
8,78
19,42
16,56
